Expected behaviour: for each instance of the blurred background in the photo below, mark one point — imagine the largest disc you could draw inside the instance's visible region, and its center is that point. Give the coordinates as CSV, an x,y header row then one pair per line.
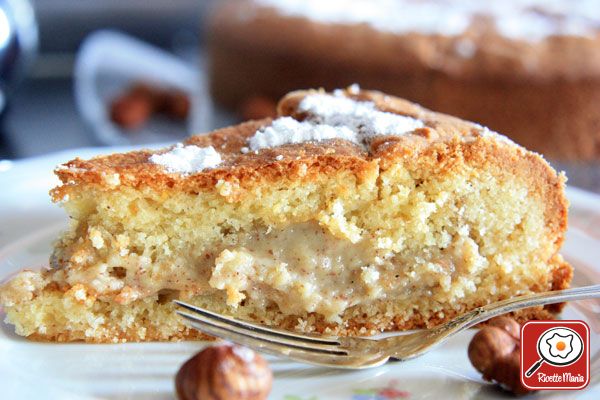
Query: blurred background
x,y
140,72
41,113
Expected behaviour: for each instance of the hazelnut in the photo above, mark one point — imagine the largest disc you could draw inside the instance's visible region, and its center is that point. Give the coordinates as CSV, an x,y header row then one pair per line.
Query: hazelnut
x,y
130,111
507,373
508,324
141,89
176,105
133,108
224,372
258,107
495,352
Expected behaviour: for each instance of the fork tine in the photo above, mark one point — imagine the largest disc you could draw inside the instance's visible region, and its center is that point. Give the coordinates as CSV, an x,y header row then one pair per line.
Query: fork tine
x,y
259,343
229,329
257,328
282,350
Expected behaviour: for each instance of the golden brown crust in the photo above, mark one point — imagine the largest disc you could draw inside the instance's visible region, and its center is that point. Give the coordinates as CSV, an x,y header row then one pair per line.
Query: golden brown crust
x,y
299,161
135,170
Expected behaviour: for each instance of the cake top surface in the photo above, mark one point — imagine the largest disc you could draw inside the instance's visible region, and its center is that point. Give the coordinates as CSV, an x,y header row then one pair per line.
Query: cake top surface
x,y
529,20
334,116
344,129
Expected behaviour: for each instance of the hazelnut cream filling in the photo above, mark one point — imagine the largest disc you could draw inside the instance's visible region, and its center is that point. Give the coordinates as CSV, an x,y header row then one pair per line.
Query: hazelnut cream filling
x,y
305,268
301,268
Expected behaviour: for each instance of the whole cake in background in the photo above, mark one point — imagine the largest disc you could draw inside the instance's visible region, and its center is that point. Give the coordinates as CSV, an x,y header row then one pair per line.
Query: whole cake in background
x,y
527,68
350,213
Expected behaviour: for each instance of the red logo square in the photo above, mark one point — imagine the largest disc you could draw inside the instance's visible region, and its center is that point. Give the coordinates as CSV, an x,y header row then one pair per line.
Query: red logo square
x,y
555,355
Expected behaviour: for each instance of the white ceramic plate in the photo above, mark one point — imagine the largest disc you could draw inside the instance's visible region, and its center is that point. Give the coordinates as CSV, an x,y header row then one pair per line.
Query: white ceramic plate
x,y
29,223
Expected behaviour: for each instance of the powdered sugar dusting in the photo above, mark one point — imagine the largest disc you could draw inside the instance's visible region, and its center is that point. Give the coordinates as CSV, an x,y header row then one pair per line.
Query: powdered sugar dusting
x,y
485,132
360,116
286,130
188,159
354,88
333,117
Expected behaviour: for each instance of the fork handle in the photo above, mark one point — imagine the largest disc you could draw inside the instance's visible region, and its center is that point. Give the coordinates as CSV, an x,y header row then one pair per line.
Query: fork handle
x,y
484,313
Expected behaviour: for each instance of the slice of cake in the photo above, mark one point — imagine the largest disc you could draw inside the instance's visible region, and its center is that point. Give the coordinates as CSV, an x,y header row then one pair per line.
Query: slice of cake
x,y
351,213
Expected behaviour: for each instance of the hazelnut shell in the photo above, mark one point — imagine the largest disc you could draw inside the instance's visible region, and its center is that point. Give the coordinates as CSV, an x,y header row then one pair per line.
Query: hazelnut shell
x,y
224,372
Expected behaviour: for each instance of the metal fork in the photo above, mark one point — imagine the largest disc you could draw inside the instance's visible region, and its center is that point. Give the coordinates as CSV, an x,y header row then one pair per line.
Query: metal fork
x,y
360,352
